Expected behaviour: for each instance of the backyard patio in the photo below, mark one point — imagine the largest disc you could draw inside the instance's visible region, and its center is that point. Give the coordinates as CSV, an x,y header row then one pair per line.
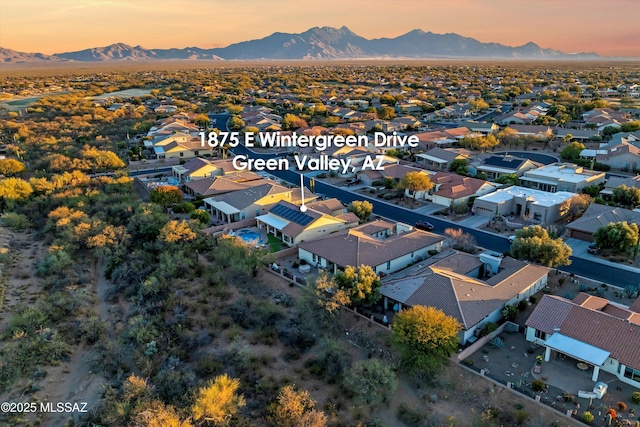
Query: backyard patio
x,y
563,377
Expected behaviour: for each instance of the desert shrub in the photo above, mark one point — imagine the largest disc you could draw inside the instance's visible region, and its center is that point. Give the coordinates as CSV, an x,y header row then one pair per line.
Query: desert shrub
x,y
523,305
208,366
489,327
410,417
331,362
15,221
587,417
537,385
497,342
635,397
533,299
521,416
267,335
622,406
184,207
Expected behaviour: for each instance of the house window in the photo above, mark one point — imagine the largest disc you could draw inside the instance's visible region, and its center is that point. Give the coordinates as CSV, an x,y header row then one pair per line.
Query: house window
x,y
411,254
197,153
181,154
388,265
632,373
257,212
537,216
540,334
242,216
314,258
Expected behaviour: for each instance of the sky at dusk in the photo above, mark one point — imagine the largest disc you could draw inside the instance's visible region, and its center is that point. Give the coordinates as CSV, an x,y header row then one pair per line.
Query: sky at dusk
x,y
608,27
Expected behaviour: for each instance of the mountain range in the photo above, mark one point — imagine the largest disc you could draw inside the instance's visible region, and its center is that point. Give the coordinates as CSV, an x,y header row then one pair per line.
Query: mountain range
x,y
315,43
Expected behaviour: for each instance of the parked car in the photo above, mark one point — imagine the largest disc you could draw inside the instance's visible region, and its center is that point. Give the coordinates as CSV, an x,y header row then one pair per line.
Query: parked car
x,y
424,225
511,238
592,248
351,182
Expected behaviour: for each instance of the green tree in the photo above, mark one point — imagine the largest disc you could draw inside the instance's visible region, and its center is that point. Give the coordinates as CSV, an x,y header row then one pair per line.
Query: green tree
x,y
415,182
165,195
361,284
200,215
626,196
235,254
371,381
292,122
457,164
508,179
572,151
219,401
508,136
534,244
617,236
292,408
10,166
386,113
362,209
202,120
426,337
235,123
177,231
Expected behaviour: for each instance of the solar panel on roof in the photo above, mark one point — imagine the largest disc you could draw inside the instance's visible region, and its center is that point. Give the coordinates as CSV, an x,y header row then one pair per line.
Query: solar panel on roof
x,y
292,215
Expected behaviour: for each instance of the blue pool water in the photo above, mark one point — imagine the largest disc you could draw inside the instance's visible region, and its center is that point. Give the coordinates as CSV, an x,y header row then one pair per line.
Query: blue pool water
x,y
249,236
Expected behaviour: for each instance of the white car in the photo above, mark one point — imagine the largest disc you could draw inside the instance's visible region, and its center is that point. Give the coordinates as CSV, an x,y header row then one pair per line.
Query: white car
x,y
511,238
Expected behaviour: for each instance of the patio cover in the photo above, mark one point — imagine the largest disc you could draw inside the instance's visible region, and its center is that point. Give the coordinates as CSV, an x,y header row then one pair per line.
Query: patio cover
x,y
223,207
577,349
273,221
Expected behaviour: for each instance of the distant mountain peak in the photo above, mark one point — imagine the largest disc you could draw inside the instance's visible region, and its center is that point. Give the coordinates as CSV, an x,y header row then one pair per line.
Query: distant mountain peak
x,y
315,43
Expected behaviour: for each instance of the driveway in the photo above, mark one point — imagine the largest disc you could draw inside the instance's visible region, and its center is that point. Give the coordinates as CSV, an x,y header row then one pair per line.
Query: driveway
x,y
474,221
579,248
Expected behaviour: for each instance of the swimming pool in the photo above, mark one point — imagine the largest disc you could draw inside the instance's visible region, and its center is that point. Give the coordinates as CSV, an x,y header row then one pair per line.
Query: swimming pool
x,y
250,236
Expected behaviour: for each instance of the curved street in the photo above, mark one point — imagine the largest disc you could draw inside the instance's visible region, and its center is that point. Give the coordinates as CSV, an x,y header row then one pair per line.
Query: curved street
x,y
579,266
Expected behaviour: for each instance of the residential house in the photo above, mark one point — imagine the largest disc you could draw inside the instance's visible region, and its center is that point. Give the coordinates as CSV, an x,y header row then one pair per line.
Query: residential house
x,y
357,103
166,109
252,202
620,153
286,222
394,171
181,146
616,181
538,132
597,216
480,127
452,189
199,168
216,185
592,330
581,135
439,159
441,138
474,289
561,177
534,205
497,165
382,245
603,117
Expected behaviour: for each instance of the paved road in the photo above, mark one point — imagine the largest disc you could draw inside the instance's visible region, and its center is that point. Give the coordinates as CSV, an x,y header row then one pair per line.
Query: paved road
x,y
545,159
579,266
219,121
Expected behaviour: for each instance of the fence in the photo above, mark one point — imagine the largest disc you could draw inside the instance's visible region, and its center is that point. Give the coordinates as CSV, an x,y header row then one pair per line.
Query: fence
x,y
480,343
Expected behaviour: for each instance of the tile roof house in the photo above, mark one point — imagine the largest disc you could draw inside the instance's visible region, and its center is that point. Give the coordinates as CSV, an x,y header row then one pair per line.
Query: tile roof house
x,y
440,138
252,202
286,222
592,330
561,177
216,185
539,207
497,165
200,168
472,288
597,216
616,181
451,188
439,159
385,246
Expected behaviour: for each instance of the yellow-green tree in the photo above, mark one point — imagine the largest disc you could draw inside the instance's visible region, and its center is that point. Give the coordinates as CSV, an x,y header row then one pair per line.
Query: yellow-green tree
x,y
425,337
415,182
218,402
361,208
177,231
293,408
10,166
165,195
15,189
361,285
157,414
